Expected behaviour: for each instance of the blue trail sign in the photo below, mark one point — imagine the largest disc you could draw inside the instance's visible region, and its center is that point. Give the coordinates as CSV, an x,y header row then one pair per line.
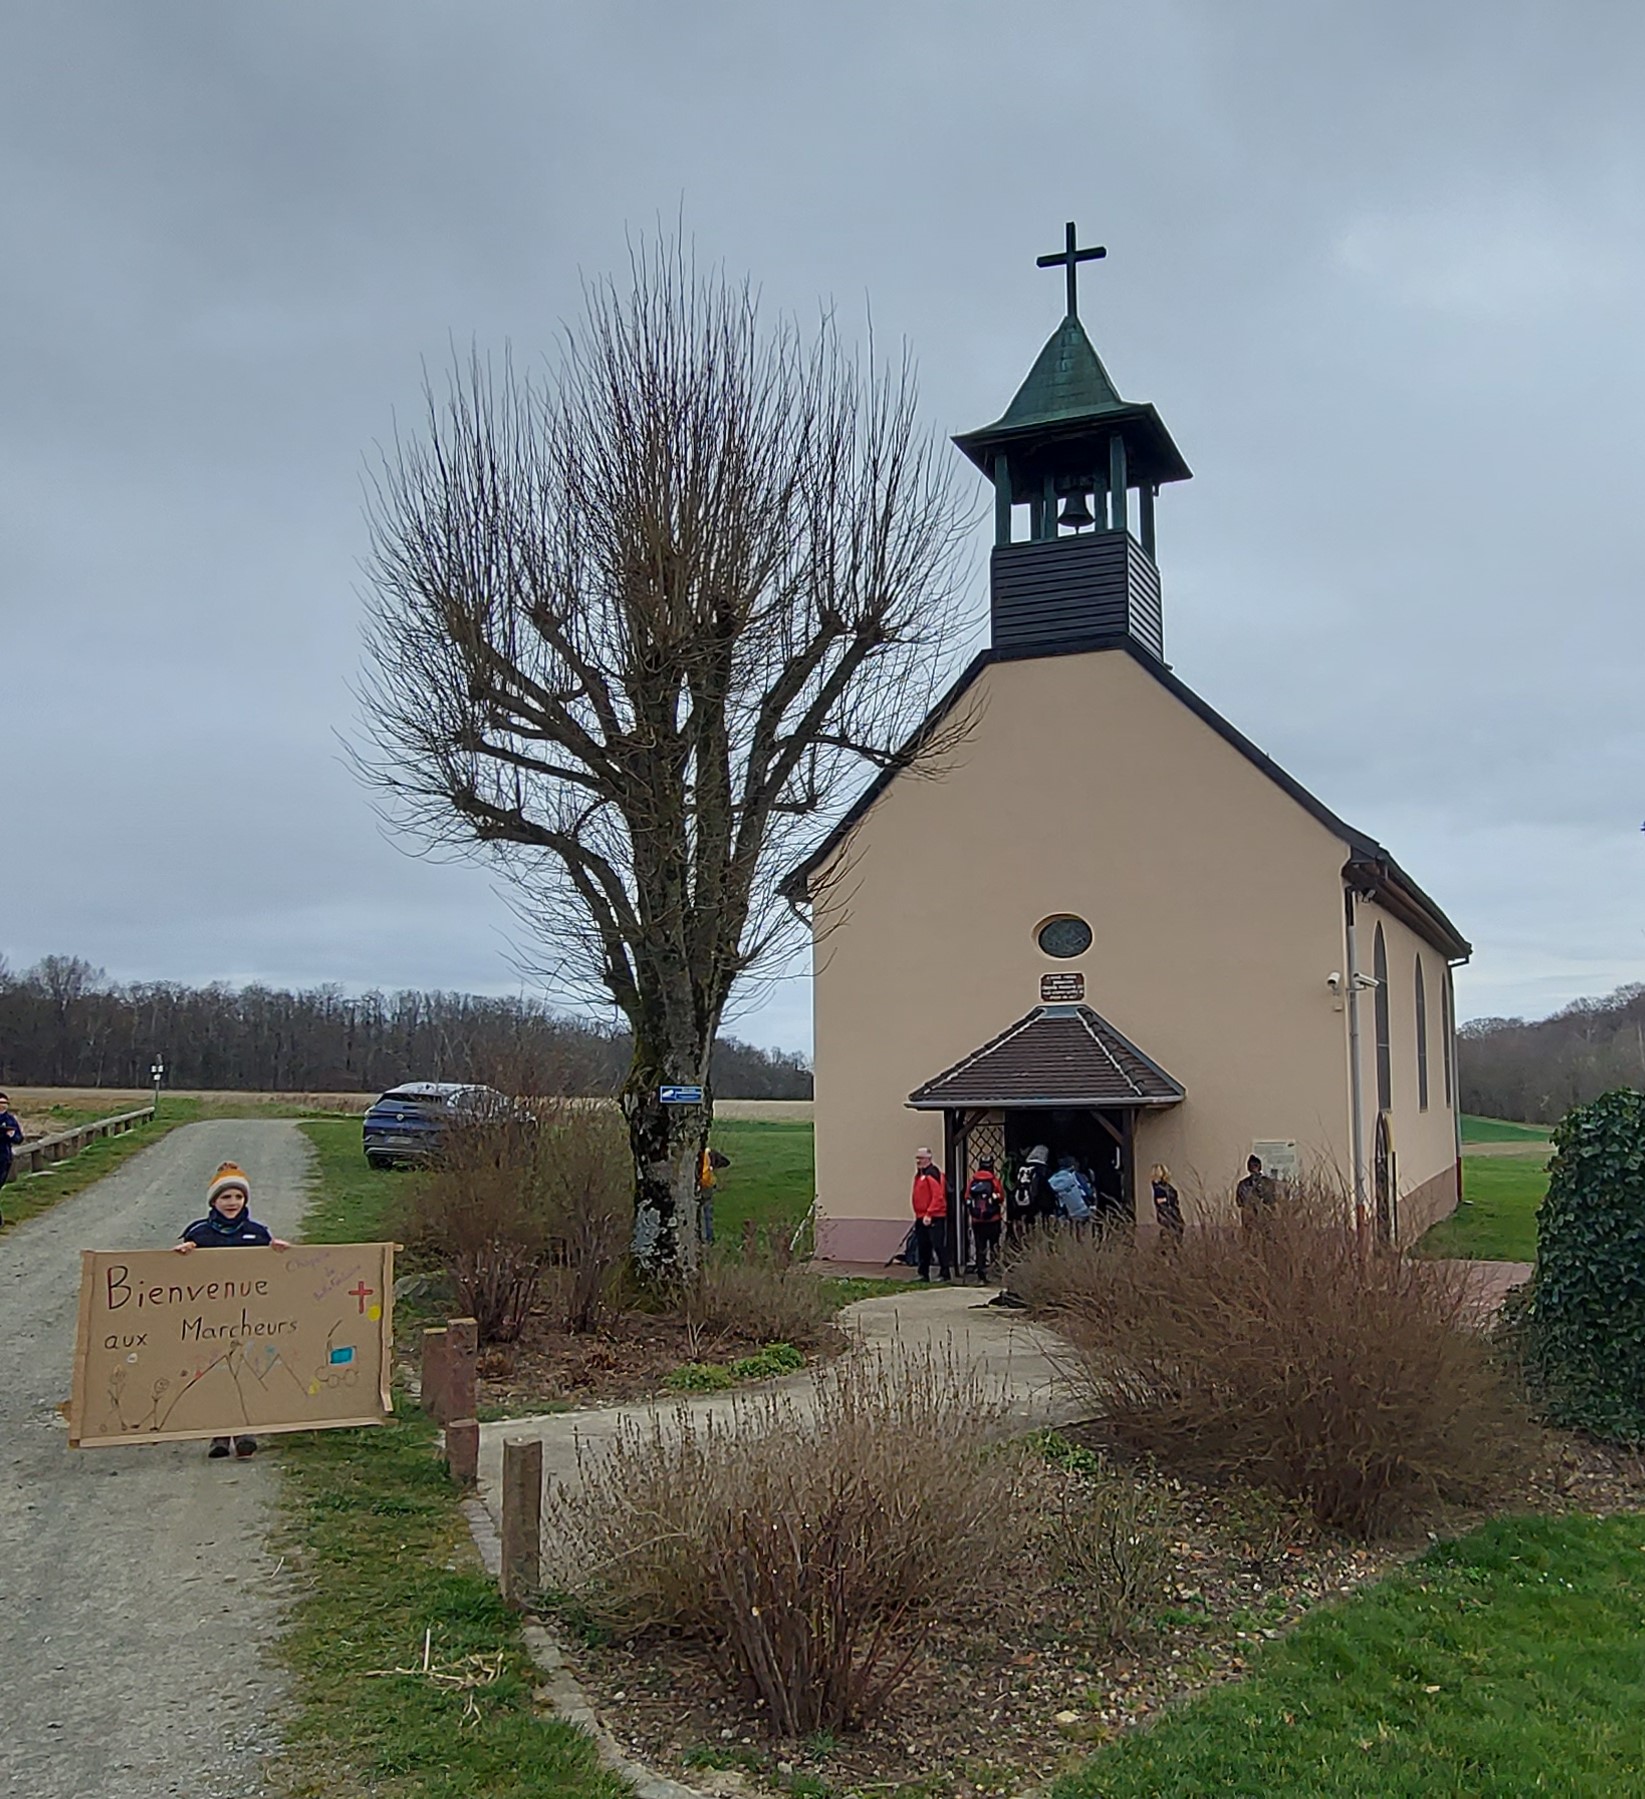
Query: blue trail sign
x,y
680,1096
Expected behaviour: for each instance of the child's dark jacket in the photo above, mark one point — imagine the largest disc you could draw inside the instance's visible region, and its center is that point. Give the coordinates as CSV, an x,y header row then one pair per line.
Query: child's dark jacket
x,y
214,1231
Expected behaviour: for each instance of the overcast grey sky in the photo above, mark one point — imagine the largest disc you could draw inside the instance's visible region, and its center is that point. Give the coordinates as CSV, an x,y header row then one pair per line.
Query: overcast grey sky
x,y
1379,266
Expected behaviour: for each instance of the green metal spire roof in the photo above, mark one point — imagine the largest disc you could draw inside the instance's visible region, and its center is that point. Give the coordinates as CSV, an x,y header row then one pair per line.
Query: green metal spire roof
x,y
1067,381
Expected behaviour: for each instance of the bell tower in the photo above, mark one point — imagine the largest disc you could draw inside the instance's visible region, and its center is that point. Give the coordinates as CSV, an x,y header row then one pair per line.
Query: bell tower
x,y
1080,468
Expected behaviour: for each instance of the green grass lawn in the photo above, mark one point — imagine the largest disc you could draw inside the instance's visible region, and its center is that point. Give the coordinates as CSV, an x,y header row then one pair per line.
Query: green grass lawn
x,y
1500,1130
354,1203
374,1525
1496,1221
1508,1663
771,1179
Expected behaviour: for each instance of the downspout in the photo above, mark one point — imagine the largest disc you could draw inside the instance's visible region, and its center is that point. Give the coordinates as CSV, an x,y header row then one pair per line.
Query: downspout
x,y
1452,1067
1356,1129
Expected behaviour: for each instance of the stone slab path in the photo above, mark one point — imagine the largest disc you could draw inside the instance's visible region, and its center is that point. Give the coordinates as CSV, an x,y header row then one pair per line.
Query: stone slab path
x,y
136,1591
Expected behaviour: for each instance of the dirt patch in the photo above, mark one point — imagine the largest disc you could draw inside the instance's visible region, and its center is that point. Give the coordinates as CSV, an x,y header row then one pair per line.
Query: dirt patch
x,y
631,1356
1014,1686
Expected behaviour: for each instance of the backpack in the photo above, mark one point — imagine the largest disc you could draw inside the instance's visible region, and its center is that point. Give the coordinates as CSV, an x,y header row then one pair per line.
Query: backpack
x,y
1072,1195
1026,1193
982,1197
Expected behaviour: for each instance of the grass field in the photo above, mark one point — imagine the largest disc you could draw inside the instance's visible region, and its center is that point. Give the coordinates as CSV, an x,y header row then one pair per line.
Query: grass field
x,y
1505,1664
771,1179
1500,1130
1496,1221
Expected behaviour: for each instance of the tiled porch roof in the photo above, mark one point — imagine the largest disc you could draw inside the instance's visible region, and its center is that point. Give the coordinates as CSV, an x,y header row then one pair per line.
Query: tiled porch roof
x,y
1055,1056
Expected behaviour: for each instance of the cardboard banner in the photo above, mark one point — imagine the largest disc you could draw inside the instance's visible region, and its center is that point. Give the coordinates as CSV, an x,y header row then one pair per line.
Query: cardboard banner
x,y
231,1342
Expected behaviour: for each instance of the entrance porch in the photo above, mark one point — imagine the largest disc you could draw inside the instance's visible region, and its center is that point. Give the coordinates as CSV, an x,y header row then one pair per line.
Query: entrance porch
x,y
1061,1078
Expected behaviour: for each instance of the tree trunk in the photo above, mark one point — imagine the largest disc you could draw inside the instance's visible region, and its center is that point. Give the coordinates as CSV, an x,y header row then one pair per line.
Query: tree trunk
x,y
667,1143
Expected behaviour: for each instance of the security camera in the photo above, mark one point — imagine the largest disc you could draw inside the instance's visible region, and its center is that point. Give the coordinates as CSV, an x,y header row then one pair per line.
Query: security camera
x,y
1362,981
1334,981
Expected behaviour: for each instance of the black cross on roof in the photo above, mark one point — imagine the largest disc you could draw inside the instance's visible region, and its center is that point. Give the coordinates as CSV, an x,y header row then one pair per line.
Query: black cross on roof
x,y
1069,257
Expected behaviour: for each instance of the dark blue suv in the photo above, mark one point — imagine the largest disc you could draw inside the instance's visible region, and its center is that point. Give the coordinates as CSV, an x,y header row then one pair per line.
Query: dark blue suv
x,y
409,1121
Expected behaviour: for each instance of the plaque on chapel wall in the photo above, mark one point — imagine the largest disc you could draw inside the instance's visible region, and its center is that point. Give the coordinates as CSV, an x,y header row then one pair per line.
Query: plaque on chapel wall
x,y
1061,988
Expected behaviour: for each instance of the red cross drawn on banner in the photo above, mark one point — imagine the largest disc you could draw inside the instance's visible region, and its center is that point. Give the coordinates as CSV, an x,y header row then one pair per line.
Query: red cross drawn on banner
x,y
361,1293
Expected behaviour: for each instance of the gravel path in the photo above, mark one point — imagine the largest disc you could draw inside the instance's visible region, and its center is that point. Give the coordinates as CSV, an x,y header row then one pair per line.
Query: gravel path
x,y
135,1590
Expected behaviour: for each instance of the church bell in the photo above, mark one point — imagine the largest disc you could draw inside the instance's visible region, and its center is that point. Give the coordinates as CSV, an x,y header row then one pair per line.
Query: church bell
x,y
1075,513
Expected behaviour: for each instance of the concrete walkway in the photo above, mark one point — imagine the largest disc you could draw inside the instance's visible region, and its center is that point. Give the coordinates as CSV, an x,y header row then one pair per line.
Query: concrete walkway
x,y
1017,1358
1492,1282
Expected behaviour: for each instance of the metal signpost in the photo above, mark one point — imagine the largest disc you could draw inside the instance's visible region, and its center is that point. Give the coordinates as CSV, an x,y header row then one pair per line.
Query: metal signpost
x,y
157,1074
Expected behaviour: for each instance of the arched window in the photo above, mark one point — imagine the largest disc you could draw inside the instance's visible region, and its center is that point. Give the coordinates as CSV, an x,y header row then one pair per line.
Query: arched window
x,y
1422,1039
1448,1048
1385,1049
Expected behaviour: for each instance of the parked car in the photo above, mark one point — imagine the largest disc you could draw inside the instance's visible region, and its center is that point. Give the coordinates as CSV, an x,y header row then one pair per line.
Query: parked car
x,y
408,1123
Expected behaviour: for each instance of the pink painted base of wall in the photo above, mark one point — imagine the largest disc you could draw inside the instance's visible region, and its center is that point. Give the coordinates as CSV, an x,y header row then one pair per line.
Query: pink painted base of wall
x,y
860,1239
1426,1205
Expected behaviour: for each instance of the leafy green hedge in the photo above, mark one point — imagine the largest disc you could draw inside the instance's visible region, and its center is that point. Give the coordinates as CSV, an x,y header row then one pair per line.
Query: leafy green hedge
x,y
1585,1332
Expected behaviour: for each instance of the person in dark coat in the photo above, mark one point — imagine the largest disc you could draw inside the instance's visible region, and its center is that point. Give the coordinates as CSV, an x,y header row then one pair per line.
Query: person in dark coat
x,y
1167,1206
1030,1197
1256,1194
930,1216
11,1134
228,1224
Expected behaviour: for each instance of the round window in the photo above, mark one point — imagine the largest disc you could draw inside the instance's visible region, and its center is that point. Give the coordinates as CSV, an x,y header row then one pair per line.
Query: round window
x,y
1064,937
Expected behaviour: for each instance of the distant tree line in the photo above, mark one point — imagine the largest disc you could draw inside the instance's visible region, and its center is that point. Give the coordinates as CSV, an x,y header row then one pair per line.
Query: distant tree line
x,y
1537,1070
64,1024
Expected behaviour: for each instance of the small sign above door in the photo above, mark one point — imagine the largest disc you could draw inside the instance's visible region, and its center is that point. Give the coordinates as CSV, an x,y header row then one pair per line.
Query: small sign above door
x,y
1061,988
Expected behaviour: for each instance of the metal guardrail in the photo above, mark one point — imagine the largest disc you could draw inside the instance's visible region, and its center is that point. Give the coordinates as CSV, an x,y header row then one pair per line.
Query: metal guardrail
x,y
30,1158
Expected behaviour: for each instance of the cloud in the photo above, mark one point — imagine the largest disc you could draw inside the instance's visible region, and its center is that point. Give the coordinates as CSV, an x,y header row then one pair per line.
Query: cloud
x,y
1492,260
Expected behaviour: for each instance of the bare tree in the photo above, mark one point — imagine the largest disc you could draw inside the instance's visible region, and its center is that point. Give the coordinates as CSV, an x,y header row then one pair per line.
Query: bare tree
x,y
635,627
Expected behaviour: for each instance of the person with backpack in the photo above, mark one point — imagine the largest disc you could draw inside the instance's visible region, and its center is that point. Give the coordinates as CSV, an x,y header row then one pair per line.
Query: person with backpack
x,y
1030,1196
1073,1190
930,1216
985,1206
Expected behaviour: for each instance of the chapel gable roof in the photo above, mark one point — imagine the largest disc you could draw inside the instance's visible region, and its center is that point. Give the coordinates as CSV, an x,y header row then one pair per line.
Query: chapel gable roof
x,y
1054,1056
1369,869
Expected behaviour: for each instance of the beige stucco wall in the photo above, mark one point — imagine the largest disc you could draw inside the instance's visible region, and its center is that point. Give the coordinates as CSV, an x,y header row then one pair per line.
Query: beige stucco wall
x,y
1215,900
1425,1142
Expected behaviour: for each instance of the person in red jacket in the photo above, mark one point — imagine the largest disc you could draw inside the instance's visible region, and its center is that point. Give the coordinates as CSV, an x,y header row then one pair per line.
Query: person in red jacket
x,y
930,1215
985,1203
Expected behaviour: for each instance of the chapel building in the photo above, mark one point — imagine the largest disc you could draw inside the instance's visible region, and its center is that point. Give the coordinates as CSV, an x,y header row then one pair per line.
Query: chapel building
x,y
1114,927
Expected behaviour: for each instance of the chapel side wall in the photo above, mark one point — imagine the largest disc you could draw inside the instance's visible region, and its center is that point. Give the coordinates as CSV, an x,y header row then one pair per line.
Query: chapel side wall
x,y
1425,1149
1216,903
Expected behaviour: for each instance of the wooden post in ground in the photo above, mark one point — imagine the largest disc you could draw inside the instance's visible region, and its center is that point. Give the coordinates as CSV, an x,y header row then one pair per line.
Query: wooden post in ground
x,y
462,1352
522,1527
463,1450
434,1374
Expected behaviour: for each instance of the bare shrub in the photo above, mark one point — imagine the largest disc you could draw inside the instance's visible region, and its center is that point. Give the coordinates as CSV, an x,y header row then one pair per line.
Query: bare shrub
x,y
1053,1267
1107,1544
765,1297
1290,1356
532,1206
807,1546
